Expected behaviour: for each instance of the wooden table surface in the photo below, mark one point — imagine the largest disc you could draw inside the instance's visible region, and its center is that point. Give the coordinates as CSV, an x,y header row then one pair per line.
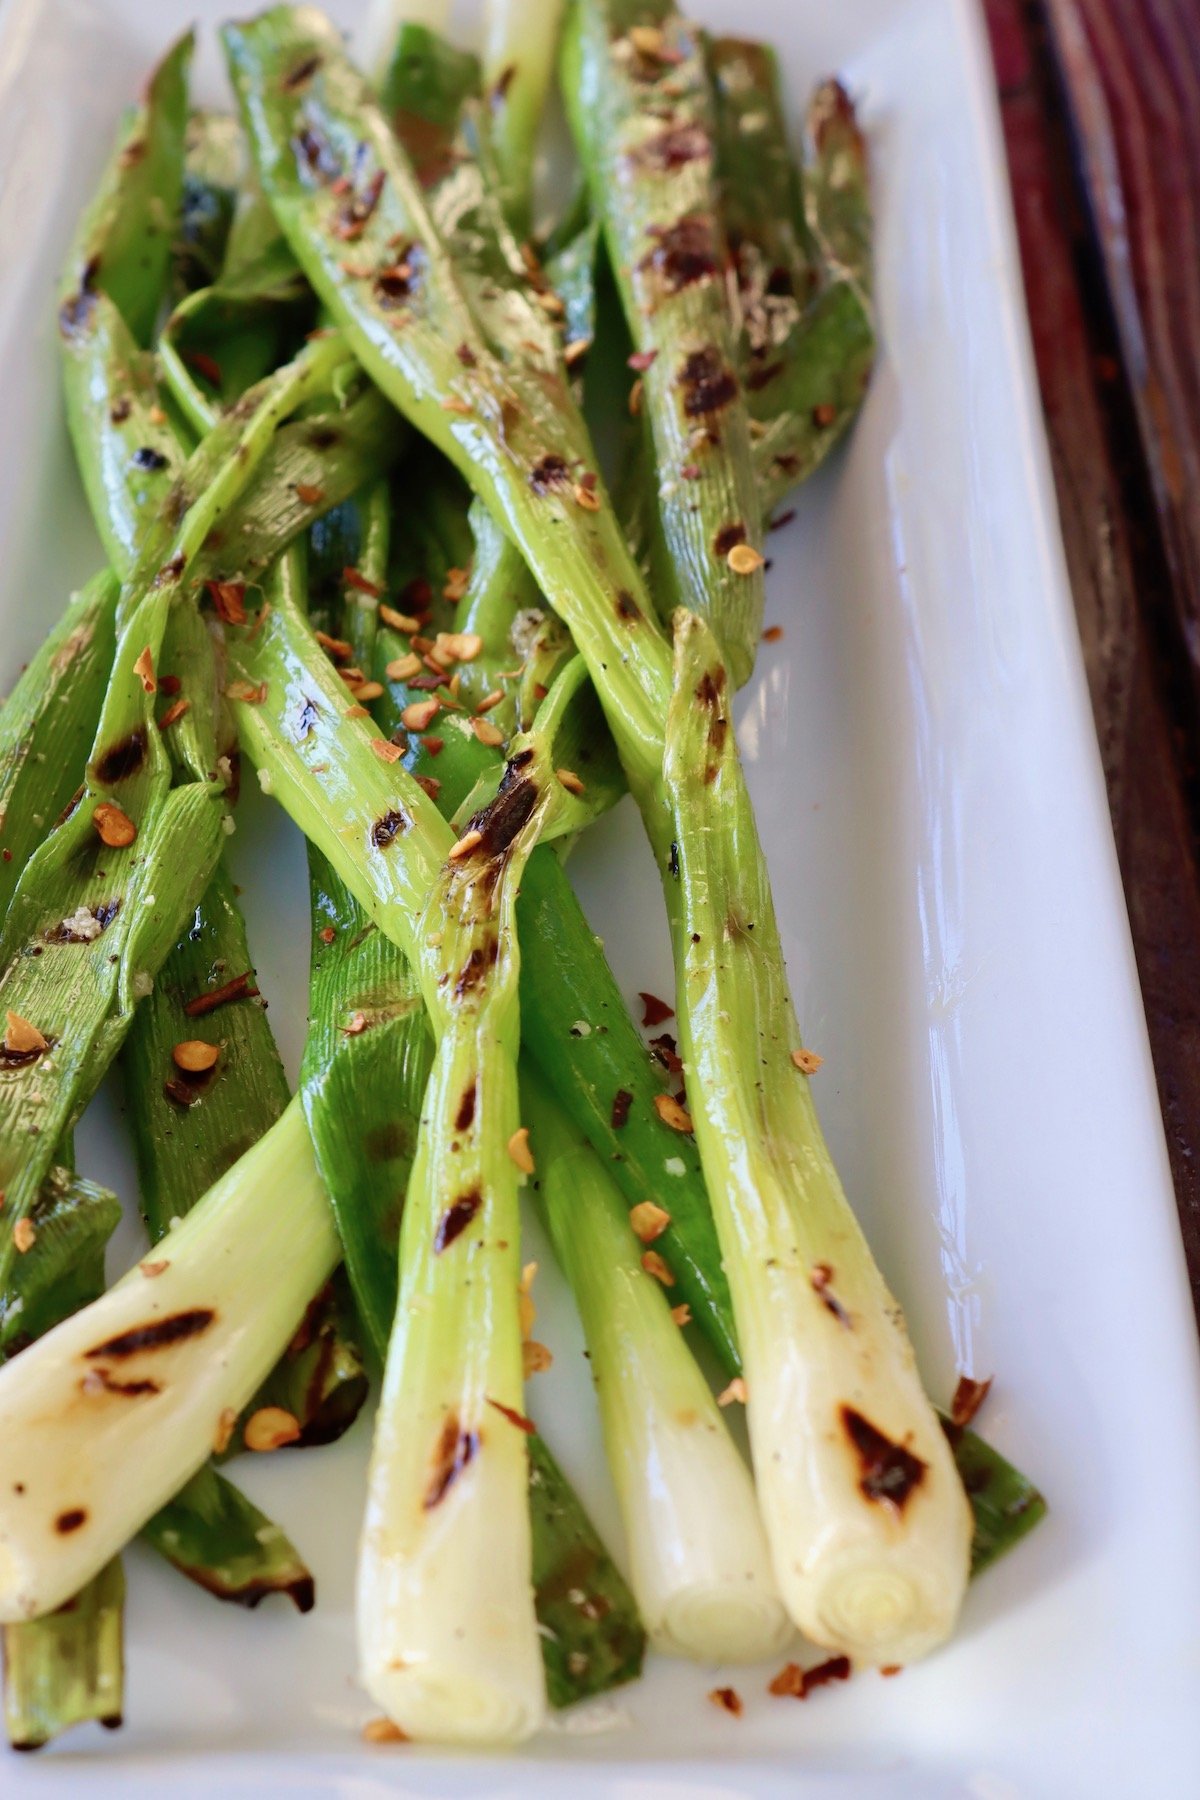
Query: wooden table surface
x,y
1101,107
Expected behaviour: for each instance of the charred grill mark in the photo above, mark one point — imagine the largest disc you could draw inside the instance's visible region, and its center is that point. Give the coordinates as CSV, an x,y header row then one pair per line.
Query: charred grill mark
x,y
455,1219
121,760
673,148
299,1588
465,1116
453,1452
301,75
729,535
502,818
129,1390
708,384
77,310
710,688
821,1278
549,472
683,252
156,1334
474,970
71,1520
887,1472
387,828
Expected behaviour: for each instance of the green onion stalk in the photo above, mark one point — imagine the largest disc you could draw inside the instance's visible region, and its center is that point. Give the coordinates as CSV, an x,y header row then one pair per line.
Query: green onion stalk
x,y
868,1562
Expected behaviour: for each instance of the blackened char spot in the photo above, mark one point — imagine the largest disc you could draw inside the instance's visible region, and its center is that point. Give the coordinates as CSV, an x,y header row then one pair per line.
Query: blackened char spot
x,y
627,607
75,311
71,1520
215,1577
453,1452
622,1101
147,457
821,1279
393,286
384,830
302,74
729,535
888,1472
672,148
455,1219
708,383
121,760
710,687
466,1110
683,252
473,971
157,1334
323,437
502,818
548,472
130,1390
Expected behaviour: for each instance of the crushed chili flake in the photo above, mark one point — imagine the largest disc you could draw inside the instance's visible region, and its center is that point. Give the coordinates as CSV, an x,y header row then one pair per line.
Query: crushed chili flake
x,y
969,1396
419,714
24,1236
173,713
469,841
690,472
204,364
570,780
336,647
21,1038
224,1430
736,1391
169,684
888,1669
682,1315
429,784
772,634
247,691
807,1061
648,1220
367,690
384,1731
229,600
454,405
270,1428
744,559
356,1027
824,415
622,1101
386,752
513,1416
397,620
114,828
457,646
550,303
356,712
641,360
654,1010
309,495
490,700
672,1113
152,1269
535,1358
781,519
239,987
728,1699
525,1307
434,745
575,351
455,586
327,934
487,733
586,497
796,1683
654,1265
403,668
194,1056
635,397
519,1151
352,578
143,668
666,1052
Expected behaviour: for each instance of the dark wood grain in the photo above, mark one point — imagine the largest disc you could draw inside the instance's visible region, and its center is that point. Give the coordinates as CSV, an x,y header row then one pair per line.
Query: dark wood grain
x,y
1123,532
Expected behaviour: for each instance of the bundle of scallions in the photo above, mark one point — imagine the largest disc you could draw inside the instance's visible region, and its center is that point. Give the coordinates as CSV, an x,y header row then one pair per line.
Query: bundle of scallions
x,y
334,401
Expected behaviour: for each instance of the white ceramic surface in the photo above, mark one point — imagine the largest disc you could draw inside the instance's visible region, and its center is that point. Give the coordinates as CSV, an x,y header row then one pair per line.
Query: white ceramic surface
x,y
922,757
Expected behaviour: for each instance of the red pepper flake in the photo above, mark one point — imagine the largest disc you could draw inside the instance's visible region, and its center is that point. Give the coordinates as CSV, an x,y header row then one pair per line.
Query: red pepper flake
x,y
666,1052
308,494
247,692
169,684
622,1101
641,360
690,472
143,668
174,712
204,364
385,750
466,356
429,785
356,1027
654,1010
337,648
513,1416
453,1452
969,1396
797,1683
772,634
728,1699
240,987
781,519
824,415
229,598
434,745
890,1669
327,934
352,578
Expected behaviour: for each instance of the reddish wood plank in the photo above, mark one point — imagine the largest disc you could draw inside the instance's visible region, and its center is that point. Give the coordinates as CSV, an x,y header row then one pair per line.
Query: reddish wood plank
x,y
1121,579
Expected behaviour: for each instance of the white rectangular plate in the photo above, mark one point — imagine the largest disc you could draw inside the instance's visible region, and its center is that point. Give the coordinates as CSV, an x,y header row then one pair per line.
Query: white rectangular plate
x,y
921,753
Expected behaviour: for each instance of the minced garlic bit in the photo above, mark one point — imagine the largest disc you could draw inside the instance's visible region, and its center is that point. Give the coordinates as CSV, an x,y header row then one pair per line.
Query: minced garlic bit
x,y
487,733
671,1113
224,1431
24,1236
420,714
114,827
535,1358
143,668
736,1391
21,1037
151,1269
385,750
193,1056
519,1151
468,842
654,1265
570,780
403,668
270,1428
384,1731
682,1315
648,1220
807,1061
728,1699
744,559
456,646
